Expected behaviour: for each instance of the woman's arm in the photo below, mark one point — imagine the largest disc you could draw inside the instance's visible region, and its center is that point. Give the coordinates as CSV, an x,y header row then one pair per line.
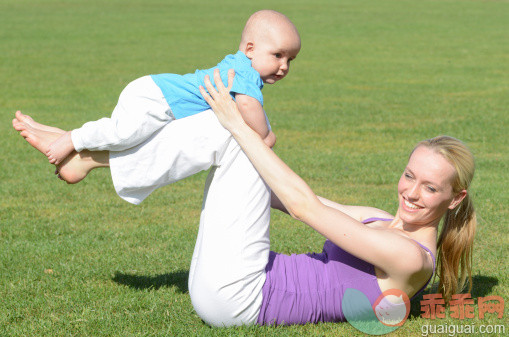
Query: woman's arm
x,y
359,213
382,248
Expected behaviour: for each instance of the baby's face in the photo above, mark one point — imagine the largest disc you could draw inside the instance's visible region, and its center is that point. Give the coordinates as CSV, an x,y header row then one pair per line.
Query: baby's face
x,y
271,55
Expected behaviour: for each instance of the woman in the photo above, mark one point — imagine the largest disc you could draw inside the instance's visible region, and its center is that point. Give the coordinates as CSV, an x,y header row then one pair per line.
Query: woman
x,y
433,186
234,278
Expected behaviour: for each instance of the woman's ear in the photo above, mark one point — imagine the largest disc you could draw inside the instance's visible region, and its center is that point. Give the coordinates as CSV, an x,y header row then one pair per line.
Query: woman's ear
x,y
249,50
458,199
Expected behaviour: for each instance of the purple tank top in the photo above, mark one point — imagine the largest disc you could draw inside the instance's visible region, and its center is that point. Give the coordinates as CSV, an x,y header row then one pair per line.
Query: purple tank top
x,y
309,288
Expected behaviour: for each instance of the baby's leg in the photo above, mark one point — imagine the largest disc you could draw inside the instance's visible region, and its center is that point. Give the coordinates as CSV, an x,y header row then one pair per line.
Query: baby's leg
x,y
76,166
60,148
228,267
141,111
180,149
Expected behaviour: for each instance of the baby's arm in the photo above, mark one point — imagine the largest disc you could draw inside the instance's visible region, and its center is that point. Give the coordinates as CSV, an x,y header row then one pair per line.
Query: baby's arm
x,y
252,112
60,148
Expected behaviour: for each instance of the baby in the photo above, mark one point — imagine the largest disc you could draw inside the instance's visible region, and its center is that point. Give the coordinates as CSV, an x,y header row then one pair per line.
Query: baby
x,y
268,44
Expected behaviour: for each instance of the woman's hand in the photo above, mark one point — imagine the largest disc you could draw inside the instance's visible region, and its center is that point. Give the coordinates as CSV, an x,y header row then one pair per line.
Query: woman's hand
x,y
221,102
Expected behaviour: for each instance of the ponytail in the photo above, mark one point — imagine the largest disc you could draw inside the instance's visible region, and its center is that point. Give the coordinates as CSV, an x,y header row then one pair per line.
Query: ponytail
x,y
455,246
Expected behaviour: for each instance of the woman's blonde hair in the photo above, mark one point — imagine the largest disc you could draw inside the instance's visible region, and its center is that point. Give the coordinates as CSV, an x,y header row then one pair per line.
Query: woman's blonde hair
x,y
455,242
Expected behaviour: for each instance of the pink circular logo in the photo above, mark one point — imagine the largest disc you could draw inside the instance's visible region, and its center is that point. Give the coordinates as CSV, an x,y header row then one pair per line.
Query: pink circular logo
x,y
392,307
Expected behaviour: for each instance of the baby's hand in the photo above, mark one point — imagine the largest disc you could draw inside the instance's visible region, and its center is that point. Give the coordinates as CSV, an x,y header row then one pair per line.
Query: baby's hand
x,y
270,140
60,149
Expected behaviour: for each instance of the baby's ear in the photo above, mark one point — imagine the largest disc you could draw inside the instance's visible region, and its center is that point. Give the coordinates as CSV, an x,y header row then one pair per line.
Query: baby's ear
x,y
249,50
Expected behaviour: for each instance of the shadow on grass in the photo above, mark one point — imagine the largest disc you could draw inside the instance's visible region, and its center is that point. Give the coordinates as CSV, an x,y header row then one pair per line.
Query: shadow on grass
x,y
178,279
482,286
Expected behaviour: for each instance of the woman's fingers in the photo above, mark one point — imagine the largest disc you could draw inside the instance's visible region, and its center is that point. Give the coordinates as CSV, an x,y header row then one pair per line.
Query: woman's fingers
x,y
206,96
212,95
210,88
231,75
220,100
219,83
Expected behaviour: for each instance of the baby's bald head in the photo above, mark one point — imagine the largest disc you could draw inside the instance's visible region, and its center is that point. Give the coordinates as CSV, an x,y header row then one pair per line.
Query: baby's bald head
x,y
266,24
271,41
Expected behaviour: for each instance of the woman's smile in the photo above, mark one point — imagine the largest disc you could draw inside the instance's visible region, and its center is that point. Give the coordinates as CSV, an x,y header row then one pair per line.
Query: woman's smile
x,y
410,205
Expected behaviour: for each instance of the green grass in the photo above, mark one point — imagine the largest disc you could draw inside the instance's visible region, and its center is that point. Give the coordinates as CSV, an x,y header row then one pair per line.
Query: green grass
x,y
372,79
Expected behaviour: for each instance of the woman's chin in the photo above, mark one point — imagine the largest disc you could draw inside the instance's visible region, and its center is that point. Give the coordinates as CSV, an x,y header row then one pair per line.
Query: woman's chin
x,y
409,215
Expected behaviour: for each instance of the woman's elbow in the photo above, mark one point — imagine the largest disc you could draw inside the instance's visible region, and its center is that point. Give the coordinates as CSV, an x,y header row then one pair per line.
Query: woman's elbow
x,y
300,208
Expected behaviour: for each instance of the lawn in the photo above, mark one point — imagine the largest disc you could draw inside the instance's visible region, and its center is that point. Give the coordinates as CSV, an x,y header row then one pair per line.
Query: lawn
x,y
372,79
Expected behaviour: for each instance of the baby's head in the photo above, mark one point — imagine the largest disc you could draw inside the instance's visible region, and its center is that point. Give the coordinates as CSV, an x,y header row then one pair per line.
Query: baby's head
x,y
270,40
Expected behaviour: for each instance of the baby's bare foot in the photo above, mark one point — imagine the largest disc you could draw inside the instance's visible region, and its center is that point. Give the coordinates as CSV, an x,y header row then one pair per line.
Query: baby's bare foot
x,y
38,138
73,168
22,121
57,150
77,166
60,148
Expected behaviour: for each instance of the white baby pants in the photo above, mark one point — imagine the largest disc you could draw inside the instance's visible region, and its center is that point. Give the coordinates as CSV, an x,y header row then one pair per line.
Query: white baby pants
x,y
184,147
141,110
180,149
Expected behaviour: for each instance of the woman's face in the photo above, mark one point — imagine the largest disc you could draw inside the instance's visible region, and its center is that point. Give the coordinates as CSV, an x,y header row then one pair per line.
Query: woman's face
x,y
425,188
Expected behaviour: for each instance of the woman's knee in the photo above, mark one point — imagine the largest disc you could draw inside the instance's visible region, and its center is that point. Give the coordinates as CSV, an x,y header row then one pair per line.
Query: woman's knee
x,y
209,306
